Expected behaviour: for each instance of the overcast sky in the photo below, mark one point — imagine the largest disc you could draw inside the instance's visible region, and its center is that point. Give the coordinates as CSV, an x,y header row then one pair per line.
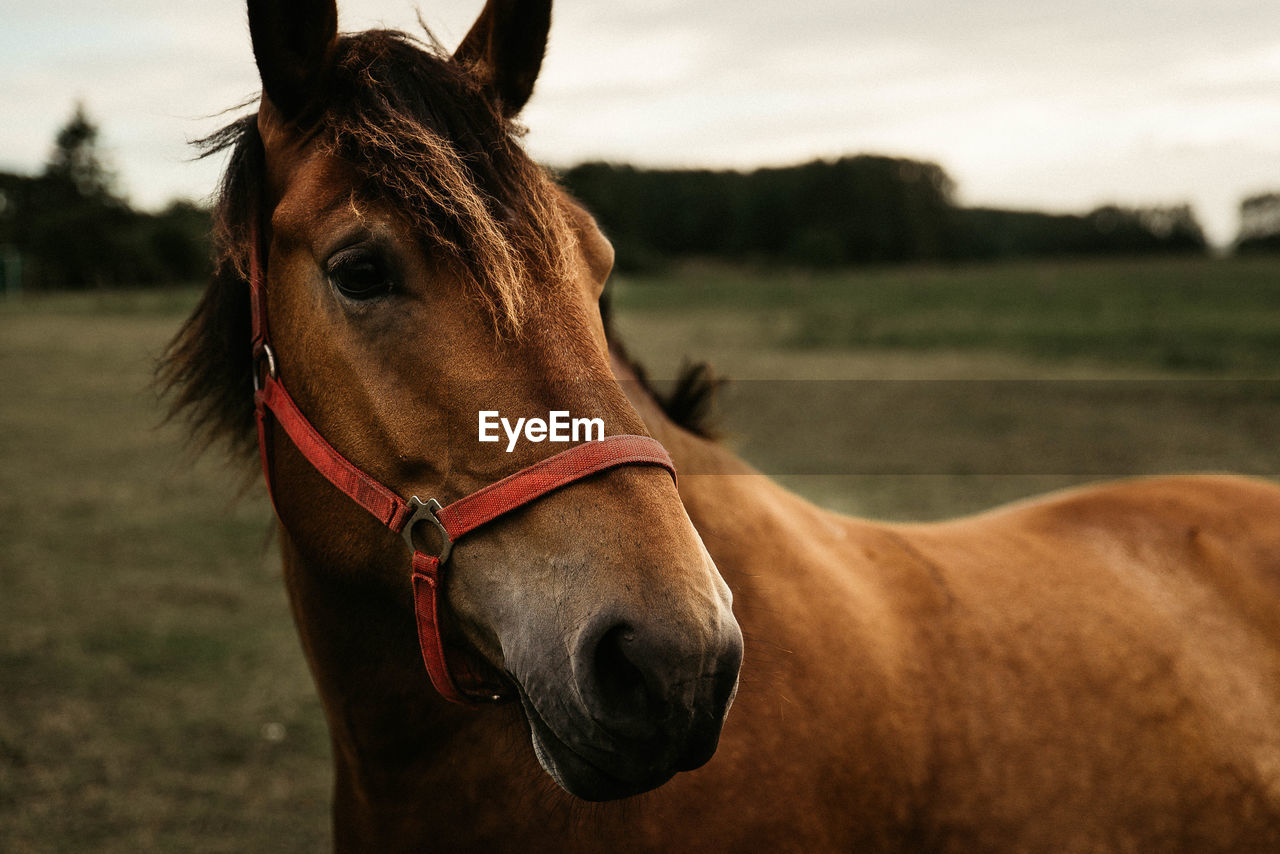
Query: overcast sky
x,y
1026,103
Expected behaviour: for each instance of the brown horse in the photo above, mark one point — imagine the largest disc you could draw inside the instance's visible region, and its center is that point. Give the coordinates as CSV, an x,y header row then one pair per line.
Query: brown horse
x,y
1095,671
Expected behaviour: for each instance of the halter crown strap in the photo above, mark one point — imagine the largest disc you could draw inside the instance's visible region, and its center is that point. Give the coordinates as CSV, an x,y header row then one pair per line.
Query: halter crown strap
x,y
452,522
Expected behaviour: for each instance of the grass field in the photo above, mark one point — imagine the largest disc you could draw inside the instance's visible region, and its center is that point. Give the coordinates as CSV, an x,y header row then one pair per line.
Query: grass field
x,y
1164,314
913,393
152,693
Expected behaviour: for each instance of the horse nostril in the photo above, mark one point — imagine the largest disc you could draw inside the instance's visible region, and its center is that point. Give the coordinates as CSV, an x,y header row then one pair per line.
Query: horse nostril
x,y
622,689
653,687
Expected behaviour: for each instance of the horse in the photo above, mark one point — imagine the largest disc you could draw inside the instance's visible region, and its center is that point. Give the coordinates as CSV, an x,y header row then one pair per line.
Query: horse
x,y
642,663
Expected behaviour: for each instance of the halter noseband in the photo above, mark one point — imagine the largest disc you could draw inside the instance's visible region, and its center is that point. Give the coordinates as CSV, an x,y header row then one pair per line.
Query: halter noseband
x,y
451,522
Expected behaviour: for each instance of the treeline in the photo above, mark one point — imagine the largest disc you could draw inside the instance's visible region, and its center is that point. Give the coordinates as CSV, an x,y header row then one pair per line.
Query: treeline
x,y
1109,230
68,228
855,210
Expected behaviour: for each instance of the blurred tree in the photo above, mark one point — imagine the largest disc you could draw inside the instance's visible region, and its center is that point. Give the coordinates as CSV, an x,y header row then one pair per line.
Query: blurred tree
x,y
76,218
71,228
1138,231
1259,224
178,238
77,162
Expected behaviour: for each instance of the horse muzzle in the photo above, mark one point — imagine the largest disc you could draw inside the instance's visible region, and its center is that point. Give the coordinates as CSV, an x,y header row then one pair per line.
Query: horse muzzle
x,y
646,700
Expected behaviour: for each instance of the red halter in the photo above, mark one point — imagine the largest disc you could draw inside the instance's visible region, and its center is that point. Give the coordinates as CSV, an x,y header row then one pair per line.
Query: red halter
x,y
451,522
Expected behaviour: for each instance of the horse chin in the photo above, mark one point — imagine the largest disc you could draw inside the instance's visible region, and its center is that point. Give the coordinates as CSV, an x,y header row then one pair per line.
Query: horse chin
x,y
577,775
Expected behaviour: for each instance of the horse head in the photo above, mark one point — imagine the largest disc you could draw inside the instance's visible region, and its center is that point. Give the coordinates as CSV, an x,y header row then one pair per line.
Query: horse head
x,y
420,269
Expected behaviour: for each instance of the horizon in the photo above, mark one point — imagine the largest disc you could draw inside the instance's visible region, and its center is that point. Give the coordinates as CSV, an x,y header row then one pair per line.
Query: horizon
x,y
1060,110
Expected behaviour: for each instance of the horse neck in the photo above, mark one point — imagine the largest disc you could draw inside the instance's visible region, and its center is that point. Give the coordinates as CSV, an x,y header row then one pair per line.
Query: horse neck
x,y
807,584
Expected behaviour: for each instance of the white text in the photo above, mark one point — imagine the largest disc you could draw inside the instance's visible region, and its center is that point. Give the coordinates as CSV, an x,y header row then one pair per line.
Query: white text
x,y
558,426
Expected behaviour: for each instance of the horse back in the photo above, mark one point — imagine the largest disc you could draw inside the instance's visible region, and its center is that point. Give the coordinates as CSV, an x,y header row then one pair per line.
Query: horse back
x,y
1105,673
1217,534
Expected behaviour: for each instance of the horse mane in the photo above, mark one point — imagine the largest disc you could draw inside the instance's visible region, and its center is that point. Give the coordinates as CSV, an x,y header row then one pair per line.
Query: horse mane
x,y
420,135
208,366
690,400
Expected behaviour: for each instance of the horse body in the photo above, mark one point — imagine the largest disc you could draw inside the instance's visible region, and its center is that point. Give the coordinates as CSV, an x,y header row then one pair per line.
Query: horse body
x,y
1076,673
1094,671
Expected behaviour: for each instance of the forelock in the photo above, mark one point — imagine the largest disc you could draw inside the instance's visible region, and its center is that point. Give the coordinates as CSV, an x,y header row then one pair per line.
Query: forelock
x,y
422,137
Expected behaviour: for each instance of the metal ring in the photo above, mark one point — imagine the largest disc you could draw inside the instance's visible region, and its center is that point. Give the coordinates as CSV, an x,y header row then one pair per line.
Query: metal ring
x,y
264,352
426,511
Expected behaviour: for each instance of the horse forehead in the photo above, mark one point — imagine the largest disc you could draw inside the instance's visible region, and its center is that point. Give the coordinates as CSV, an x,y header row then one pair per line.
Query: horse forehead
x,y
302,176
315,191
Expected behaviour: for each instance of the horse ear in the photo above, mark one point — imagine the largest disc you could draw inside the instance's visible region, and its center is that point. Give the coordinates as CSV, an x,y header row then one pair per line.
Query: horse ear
x,y
293,43
504,50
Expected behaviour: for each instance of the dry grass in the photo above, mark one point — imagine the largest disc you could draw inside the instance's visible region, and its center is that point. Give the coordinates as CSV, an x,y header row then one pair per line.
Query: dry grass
x,y
152,693
145,642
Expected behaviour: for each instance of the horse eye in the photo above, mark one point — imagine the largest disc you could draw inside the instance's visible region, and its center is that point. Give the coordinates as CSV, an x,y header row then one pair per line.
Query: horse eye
x,y
361,274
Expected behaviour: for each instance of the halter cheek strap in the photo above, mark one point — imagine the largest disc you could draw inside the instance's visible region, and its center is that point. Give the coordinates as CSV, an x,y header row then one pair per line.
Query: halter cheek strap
x,y
272,402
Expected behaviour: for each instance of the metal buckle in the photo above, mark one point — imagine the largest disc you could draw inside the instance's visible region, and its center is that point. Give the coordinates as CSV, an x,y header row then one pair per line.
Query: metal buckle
x,y
263,353
427,512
